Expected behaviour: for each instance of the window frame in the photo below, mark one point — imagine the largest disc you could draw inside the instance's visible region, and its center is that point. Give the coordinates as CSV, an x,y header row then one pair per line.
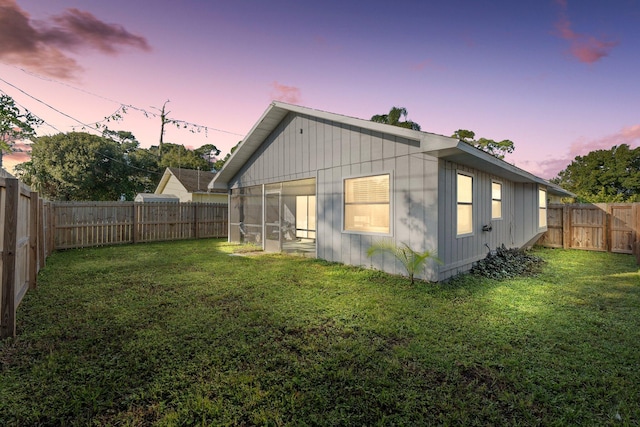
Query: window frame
x,y
390,203
542,210
458,203
500,200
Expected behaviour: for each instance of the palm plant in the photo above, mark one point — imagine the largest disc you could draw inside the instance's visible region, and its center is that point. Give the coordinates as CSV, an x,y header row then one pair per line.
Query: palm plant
x,y
412,261
393,118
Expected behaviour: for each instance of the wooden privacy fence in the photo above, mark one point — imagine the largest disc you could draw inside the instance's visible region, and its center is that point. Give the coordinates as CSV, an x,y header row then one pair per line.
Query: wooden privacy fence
x,y
85,224
32,228
611,227
23,219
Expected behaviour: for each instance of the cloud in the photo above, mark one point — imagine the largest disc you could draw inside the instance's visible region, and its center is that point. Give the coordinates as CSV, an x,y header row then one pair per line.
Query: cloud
x,y
550,168
587,49
290,94
44,45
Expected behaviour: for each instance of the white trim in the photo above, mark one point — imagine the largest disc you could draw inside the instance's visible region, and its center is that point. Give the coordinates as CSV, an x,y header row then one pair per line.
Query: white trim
x,y
539,208
391,204
501,217
473,202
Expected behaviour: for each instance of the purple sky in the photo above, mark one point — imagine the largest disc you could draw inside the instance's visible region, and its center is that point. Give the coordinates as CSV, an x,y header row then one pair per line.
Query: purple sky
x,y
557,77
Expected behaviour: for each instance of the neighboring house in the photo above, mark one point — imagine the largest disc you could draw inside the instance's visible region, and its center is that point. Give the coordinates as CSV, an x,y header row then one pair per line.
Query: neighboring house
x,y
309,180
190,186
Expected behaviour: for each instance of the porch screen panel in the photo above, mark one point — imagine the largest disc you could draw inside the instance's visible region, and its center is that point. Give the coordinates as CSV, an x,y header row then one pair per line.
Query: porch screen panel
x,y
367,204
245,214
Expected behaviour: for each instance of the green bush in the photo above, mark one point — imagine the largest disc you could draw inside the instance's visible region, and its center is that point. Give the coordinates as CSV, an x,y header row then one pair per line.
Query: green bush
x,y
505,263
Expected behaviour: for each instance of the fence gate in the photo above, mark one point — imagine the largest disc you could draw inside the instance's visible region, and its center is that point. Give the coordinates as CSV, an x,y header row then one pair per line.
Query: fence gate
x,y
595,227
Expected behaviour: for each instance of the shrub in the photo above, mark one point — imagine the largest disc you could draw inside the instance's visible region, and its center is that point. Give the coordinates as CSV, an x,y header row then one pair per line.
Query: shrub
x,y
505,263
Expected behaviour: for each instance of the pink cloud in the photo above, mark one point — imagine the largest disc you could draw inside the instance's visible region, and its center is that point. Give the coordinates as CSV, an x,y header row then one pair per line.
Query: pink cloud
x,y
587,49
42,46
550,168
284,93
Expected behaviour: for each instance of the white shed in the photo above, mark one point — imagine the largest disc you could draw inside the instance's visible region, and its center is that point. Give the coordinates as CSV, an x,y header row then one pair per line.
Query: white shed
x,y
156,198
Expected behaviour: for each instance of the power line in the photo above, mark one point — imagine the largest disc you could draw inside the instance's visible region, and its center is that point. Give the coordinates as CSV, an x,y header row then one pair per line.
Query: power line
x,y
123,106
83,124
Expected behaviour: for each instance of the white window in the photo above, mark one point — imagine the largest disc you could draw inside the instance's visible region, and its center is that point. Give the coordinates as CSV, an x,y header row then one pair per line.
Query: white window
x,y
496,200
367,206
542,208
465,204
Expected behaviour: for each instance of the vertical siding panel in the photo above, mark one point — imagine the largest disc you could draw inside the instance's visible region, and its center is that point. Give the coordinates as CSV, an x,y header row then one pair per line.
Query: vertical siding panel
x,y
448,201
306,133
401,209
322,226
401,147
376,146
365,146
336,212
353,147
313,138
328,144
431,212
388,147
345,238
339,136
319,144
348,139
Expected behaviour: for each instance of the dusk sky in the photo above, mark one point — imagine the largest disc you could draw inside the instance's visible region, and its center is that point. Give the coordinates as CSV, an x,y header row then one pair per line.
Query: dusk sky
x,y
559,78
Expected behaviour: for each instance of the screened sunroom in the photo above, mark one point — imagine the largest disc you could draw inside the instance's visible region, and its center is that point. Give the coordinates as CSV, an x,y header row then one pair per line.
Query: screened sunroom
x,y
279,217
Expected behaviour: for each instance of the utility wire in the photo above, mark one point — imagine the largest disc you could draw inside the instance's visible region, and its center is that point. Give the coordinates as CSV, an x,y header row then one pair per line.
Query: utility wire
x,y
83,124
122,104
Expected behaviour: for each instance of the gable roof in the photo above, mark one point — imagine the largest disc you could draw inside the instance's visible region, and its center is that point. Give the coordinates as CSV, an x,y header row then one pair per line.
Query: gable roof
x,y
194,181
439,146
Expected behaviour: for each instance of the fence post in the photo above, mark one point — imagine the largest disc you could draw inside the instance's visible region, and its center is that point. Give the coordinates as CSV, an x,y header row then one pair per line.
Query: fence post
x,y
566,226
134,225
608,228
8,309
33,239
196,231
42,243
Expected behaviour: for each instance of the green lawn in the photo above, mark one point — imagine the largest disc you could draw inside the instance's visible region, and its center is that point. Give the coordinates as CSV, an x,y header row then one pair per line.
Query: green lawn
x,y
181,333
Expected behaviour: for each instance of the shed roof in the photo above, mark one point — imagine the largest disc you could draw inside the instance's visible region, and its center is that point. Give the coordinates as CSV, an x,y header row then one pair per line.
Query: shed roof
x,y
194,181
159,198
439,146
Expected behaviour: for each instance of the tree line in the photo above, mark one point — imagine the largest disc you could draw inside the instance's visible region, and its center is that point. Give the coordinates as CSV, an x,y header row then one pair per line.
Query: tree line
x,y
82,166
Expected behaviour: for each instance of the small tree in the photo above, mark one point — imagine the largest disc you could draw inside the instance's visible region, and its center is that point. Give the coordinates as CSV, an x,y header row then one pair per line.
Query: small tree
x,y
496,148
14,124
393,118
412,261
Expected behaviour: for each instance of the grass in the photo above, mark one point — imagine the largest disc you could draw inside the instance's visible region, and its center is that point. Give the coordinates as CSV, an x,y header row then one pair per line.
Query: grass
x,y
181,333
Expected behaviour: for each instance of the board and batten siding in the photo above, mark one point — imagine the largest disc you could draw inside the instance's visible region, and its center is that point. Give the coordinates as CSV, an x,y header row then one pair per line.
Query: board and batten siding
x,y
308,147
517,227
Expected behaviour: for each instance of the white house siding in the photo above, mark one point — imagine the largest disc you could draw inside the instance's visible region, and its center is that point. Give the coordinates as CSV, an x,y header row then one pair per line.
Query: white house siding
x,y
308,147
516,228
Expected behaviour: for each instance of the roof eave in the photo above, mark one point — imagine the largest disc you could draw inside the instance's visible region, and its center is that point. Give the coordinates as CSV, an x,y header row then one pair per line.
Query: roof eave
x,y
465,154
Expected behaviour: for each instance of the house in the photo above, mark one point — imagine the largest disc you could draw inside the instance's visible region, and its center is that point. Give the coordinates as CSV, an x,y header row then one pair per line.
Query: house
x,y
329,185
190,186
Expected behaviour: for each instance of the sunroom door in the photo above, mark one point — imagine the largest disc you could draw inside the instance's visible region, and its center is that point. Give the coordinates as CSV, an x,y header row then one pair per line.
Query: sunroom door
x,y
273,235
